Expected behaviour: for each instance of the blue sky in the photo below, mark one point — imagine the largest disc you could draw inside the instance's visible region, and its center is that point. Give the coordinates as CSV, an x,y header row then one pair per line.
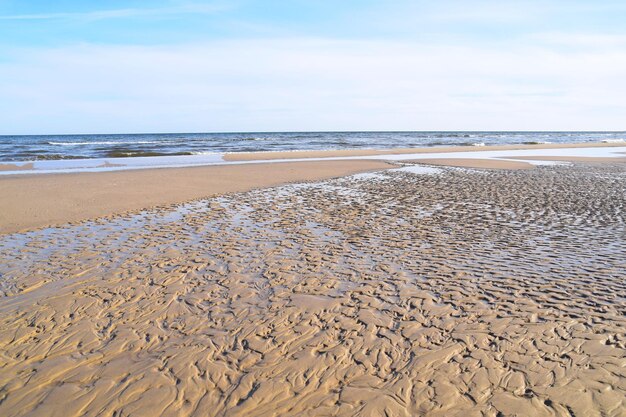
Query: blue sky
x,y
181,66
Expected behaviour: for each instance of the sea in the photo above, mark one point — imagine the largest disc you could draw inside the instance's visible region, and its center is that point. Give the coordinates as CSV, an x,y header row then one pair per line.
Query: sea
x,y
69,147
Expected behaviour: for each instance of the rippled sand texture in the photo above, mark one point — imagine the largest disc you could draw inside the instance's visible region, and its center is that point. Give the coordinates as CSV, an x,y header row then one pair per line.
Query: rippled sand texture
x,y
464,293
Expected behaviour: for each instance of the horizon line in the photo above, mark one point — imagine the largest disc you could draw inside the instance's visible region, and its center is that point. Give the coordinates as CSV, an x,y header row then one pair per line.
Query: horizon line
x,y
313,131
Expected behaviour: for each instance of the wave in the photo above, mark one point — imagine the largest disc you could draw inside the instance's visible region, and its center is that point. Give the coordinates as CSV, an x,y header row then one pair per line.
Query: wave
x,y
444,143
449,135
254,138
44,157
613,140
536,142
142,142
138,154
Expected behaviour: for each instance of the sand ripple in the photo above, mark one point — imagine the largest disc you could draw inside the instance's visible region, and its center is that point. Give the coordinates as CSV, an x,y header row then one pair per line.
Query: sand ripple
x,y
463,293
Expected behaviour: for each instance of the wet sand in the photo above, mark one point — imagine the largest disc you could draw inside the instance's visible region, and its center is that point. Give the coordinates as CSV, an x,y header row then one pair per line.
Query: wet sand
x,y
467,292
251,156
588,159
41,200
16,167
474,163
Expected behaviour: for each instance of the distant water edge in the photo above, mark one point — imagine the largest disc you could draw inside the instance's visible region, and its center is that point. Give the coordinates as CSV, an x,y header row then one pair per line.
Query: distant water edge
x,y
59,147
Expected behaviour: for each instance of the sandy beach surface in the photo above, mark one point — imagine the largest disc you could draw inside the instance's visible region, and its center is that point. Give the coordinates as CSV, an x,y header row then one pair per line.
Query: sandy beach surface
x,y
34,201
475,163
468,292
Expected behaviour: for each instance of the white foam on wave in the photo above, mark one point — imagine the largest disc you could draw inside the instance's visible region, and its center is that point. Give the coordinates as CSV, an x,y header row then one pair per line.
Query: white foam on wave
x,y
613,140
206,153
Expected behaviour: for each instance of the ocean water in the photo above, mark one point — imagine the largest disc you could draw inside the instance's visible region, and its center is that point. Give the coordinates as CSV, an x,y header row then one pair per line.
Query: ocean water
x,y
65,147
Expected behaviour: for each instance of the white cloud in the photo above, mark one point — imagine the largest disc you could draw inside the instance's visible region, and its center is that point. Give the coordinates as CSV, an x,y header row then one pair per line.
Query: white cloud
x,y
591,41
311,84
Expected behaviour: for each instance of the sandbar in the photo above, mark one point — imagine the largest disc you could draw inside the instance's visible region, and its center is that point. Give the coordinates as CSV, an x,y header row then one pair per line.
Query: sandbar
x,y
16,167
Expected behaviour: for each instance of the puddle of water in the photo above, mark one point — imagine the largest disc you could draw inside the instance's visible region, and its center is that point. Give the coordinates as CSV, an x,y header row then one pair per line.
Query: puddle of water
x,y
419,169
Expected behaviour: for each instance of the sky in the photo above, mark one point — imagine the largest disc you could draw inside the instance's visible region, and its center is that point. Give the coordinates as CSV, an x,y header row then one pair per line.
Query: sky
x,y
109,66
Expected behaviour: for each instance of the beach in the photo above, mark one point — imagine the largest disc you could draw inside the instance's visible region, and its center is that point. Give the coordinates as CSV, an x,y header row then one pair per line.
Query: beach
x,y
44,200
392,283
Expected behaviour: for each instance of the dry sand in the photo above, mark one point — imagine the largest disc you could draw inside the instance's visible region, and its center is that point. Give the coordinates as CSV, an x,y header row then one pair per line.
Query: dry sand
x,y
466,293
250,156
40,200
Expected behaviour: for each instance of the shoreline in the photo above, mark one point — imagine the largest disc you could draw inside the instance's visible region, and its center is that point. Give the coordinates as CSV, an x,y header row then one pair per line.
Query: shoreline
x,y
63,166
43,200
37,201
272,155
